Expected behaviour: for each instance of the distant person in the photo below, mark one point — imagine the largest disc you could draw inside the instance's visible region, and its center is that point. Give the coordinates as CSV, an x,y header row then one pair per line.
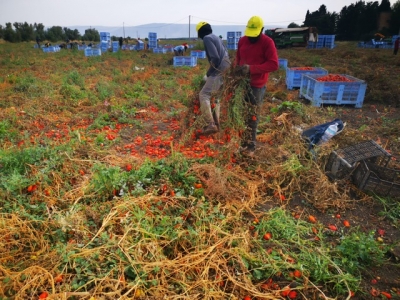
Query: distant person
x,y
179,50
256,57
38,41
396,46
121,42
218,58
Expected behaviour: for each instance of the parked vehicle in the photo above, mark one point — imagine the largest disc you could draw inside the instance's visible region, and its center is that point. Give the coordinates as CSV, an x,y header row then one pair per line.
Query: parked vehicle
x,y
291,37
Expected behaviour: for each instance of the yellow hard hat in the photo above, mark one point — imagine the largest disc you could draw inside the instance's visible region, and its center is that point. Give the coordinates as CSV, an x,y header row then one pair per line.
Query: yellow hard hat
x,y
200,24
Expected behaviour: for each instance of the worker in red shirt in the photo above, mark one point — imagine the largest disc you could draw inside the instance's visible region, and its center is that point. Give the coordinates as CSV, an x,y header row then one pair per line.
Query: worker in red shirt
x,y
396,45
256,57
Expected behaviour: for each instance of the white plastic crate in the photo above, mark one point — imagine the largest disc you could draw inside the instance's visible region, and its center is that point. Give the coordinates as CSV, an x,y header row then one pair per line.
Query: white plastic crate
x,y
188,61
283,63
293,75
333,92
198,53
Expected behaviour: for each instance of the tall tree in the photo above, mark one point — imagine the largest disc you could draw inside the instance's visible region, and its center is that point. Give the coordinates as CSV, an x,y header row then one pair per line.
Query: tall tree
x,y
385,6
91,35
55,34
24,31
72,34
39,31
395,19
9,33
324,21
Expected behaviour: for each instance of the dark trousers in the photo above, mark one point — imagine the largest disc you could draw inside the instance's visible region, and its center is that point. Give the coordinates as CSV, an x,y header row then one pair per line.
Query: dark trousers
x,y
254,98
395,51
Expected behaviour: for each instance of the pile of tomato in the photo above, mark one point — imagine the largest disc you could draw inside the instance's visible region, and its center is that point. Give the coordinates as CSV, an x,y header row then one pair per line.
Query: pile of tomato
x,y
334,77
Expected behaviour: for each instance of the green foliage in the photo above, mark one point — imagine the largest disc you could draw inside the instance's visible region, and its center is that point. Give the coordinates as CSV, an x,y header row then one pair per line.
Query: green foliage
x,y
360,250
289,106
7,131
104,90
292,248
27,85
74,78
391,209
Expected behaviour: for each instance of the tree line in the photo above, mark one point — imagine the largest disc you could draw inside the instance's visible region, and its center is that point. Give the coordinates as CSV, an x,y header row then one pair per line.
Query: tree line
x,y
358,21
24,32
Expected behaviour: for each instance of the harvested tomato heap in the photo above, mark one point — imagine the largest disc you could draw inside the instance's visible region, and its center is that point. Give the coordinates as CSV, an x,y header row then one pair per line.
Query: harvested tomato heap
x,y
334,77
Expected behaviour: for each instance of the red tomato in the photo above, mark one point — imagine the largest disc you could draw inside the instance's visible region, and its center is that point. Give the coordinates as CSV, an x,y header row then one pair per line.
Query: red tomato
x,y
292,295
58,279
43,295
297,273
267,236
346,223
285,292
387,295
128,167
332,227
247,297
312,219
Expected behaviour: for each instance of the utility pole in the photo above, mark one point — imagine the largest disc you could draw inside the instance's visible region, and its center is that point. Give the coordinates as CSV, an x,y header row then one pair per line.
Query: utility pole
x,y
189,27
123,25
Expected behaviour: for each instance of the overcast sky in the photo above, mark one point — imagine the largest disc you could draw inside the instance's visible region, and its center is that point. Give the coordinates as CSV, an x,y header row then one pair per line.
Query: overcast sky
x,y
69,13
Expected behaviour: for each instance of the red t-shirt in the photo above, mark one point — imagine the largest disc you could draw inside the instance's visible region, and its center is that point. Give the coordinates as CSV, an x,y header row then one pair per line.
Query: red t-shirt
x,y
261,56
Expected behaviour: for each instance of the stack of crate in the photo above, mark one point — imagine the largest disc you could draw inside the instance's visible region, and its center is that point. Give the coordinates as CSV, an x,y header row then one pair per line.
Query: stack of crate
x,y
198,53
92,52
152,40
115,46
185,61
329,41
105,41
51,49
233,39
160,50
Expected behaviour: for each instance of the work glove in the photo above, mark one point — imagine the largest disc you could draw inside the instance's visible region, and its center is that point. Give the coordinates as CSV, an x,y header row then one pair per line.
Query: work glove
x,y
242,70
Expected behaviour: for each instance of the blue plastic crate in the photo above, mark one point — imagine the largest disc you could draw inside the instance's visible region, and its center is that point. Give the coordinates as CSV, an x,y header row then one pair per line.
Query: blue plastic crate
x,y
232,46
233,34
333,92
159,50
96,52
88,52
181,61
198,53
293,75
51,49
283,63
152,35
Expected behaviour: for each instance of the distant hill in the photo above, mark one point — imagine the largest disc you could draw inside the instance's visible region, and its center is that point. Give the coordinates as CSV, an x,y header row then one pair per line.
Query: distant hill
x,y
163,30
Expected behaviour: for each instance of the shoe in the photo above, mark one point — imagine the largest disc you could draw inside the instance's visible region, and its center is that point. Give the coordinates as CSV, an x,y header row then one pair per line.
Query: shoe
x,y
248,150
210,129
